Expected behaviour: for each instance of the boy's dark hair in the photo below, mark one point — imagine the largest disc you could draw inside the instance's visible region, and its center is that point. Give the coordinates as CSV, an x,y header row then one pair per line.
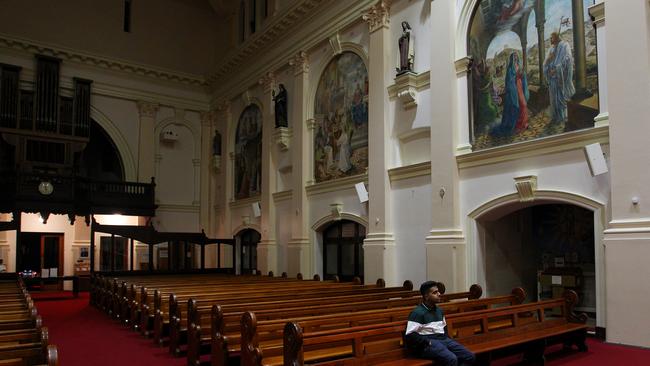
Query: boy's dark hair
x,y
425,286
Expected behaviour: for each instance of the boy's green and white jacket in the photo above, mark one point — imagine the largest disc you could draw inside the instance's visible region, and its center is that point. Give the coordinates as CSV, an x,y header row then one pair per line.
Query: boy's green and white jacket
x,y
425,323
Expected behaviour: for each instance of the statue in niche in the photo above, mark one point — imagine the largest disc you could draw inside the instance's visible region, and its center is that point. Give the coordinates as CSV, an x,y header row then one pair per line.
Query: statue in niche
x,y
406,53
280,100
216,144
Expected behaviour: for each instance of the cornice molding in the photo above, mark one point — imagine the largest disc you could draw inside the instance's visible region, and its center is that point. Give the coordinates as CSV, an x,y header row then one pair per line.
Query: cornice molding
x,y
245,201
410,171
538,147
102,62
336,185
178,208
597,12
116,90
282,196
238,71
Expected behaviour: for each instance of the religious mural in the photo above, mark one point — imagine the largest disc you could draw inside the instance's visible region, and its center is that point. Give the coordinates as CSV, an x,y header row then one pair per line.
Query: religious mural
x,y
248,153
534,70
341,114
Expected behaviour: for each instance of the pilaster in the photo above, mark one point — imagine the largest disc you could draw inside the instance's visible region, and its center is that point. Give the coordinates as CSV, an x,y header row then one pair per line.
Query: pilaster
x,y
627,238
445,244
225,179
267,250
379,245
205,176
146,141
299,248
597,12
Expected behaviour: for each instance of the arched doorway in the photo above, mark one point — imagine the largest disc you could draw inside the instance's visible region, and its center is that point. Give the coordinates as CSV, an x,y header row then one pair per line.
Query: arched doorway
x,y
544,246
343,250
248,240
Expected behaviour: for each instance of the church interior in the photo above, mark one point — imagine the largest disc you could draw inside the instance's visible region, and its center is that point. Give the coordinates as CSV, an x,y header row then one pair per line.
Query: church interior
x,y
155,155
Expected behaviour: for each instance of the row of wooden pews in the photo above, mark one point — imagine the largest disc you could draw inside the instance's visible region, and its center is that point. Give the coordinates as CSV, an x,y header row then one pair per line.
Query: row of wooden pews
x,y
23,339
489,333
266,320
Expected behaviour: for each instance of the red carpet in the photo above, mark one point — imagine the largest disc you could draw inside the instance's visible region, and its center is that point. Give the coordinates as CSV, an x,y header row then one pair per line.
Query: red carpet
x,y
86,336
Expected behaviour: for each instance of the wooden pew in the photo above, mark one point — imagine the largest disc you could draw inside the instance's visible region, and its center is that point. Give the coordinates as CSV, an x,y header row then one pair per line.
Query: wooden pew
x,y
266,335
226,328
528,329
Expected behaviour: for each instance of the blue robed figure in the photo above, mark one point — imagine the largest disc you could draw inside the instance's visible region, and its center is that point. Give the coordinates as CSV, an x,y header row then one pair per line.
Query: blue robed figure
x,y
515,111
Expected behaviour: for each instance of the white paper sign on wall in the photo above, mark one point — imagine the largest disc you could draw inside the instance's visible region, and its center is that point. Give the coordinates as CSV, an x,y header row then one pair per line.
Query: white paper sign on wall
x,y
361,192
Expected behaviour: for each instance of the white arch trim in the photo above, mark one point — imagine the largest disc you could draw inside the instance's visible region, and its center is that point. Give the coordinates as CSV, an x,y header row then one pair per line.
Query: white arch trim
x,y
541,196
510,203
462,27
243,227
321,224
128,160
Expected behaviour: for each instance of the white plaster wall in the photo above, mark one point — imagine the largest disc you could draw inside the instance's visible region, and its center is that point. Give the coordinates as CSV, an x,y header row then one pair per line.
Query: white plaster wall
x,y
411,222
564,171
177,221
175,176
282,233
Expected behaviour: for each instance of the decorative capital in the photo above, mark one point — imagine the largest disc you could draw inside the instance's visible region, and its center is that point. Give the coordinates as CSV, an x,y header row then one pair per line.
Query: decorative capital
x,y
206,118
300,63
597,13
311,124
268,82
462,65
526,187
378,15
147,109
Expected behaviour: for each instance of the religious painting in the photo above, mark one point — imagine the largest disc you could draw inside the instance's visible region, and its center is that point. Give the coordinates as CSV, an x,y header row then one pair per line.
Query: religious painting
x,y
534,70
341,114
248,153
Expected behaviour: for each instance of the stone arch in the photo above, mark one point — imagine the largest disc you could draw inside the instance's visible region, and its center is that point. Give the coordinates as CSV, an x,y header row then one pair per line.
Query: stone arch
x,y
506,204
243,227
128,160
324,221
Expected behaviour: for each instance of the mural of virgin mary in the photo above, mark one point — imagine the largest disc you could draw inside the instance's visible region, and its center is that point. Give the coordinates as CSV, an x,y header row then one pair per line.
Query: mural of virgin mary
x,y
515,110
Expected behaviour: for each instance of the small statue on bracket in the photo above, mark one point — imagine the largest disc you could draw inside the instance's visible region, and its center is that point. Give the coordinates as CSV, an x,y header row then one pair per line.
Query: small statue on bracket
x,y
406,53
280,100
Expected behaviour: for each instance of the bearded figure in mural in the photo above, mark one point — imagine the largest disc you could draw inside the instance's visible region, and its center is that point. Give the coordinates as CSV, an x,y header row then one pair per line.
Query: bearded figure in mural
x,y
558,70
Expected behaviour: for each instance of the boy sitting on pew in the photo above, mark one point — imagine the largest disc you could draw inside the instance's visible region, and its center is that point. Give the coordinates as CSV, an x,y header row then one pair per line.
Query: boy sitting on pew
x,y
426,332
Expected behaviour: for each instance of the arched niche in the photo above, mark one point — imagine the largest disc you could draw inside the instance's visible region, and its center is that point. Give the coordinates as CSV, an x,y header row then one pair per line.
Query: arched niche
x,y
248,153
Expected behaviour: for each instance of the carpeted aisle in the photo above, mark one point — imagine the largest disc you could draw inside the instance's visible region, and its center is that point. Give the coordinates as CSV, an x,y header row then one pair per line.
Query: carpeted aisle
x,y
86,336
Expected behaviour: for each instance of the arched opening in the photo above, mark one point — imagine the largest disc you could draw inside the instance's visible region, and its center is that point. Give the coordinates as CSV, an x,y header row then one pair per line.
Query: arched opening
x,y
544,247
247,241
343,250
100,159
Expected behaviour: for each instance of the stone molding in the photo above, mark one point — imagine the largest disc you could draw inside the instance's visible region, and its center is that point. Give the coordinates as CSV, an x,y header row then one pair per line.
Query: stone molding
x,y
407,86
268,81
282,196
147,109
336,185
597,13
378,16
86,58
538,147
410,171
299,63
526,187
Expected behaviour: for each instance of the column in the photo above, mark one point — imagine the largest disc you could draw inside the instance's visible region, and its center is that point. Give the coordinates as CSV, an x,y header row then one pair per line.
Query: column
x,y
299,247
627,238
224,178
445,245
379,246
205,176
540,23
146,141
597,12
267,250
579,49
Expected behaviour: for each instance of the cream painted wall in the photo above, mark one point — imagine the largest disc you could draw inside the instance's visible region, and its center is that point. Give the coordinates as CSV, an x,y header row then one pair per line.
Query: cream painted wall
x,y
177,35
282,233
411,222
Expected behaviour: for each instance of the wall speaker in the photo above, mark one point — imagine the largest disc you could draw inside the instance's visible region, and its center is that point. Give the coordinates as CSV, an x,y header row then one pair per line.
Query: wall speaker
x,y
596,159
257,210
362,192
